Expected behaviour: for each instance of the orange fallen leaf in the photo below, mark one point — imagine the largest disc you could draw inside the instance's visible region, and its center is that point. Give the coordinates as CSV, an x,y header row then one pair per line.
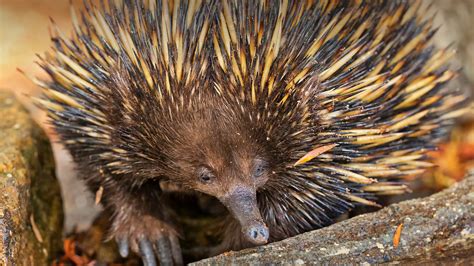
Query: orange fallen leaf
x,y
314,153
397,235
467,152
70,253
450,164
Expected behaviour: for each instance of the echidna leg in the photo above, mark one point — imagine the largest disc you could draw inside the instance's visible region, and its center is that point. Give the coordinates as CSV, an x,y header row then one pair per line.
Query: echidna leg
x,y
142,223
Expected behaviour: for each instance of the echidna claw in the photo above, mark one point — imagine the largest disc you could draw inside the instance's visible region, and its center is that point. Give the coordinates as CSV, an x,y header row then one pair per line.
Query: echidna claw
x,y
154,247
164,251
146,250
123,247
176,250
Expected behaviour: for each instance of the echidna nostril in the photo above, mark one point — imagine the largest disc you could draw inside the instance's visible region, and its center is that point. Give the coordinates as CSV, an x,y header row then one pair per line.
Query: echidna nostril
x,y
258,234
254,233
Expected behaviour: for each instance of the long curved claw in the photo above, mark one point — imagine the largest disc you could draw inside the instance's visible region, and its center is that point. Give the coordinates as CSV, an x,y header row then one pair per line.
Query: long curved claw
x,y
146,250
164,251
123,247
153,240
176,250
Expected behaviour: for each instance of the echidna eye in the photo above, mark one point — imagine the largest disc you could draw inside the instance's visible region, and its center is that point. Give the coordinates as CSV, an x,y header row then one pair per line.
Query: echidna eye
x,y
205,175
259,168
258,171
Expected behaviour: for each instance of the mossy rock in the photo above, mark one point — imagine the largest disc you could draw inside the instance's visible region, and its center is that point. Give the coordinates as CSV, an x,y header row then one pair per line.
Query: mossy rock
x,y
31,214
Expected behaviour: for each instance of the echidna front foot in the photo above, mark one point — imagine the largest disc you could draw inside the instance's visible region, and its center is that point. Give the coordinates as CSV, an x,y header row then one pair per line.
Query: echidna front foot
x,y
154,240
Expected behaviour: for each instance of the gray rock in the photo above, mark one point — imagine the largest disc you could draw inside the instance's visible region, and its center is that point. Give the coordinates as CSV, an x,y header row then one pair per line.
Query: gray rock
x,y
31,213
437,229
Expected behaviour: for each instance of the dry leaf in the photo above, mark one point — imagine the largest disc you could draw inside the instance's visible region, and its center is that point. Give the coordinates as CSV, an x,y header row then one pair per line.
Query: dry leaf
x,y
397,235
314,153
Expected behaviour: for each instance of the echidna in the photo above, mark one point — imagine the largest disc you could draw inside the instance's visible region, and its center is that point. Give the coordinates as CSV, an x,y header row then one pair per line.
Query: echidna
x,y
288,112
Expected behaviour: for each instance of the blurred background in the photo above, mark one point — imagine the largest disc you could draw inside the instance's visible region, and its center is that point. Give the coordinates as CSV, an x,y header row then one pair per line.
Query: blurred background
x,y
24,33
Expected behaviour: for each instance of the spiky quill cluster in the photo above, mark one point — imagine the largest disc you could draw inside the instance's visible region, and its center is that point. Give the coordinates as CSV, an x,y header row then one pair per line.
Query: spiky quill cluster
x,y
347,94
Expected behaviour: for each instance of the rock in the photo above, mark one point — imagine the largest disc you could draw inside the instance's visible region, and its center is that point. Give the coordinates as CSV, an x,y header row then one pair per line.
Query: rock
x,y
437,229
31,214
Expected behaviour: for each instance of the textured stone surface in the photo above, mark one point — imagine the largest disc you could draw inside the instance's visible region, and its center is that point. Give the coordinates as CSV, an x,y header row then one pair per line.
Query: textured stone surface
x,y
437,229
30,201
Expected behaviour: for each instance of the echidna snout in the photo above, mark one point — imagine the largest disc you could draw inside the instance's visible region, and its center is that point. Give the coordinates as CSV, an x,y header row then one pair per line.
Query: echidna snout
x,y
242,203
256,233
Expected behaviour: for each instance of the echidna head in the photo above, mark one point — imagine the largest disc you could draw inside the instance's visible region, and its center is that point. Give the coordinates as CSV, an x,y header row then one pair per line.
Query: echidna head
x,y
231,148
223,145
219,155
226,146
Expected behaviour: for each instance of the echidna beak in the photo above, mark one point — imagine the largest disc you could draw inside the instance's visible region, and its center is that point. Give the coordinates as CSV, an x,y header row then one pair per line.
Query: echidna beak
x,y
242,203
257,234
